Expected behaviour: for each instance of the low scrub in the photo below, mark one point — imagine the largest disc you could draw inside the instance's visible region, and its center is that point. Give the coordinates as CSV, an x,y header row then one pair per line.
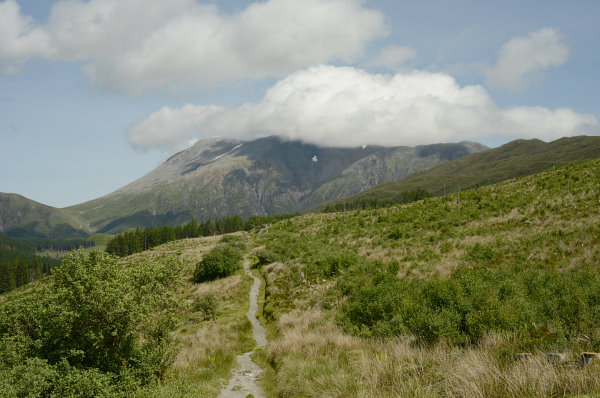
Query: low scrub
x,y
220,262
264,257
545,307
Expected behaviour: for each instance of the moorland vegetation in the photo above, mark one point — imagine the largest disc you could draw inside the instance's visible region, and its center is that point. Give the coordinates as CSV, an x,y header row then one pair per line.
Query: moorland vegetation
x,y
436,297
431,298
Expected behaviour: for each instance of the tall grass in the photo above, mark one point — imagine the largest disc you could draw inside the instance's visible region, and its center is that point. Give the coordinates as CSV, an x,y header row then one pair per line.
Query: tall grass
x,y
314,357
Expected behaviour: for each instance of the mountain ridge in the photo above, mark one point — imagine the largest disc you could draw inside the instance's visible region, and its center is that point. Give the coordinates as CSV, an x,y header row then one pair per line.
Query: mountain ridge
x,y
218,177
514,159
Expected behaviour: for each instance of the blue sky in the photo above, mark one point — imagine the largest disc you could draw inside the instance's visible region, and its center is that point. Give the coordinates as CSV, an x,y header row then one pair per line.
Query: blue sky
x,y
94,94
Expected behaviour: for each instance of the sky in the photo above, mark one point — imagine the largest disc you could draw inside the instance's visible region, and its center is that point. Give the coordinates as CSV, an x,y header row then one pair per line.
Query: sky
x,y
95,94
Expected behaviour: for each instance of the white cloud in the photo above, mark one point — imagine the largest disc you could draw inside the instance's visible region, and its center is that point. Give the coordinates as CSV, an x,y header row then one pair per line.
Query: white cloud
x,y
172,127
394,57
141,46
522,60
20,39
344,106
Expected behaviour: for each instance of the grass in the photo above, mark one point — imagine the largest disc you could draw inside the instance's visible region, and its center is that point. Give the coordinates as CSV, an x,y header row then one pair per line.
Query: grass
x,y
546,225
313,357
209,346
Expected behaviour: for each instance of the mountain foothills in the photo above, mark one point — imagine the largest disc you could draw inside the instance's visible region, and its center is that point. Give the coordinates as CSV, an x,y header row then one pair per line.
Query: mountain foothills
x,y
217,178
23,217
514,159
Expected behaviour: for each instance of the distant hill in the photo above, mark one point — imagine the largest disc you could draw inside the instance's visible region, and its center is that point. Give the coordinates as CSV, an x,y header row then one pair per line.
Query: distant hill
x,y
22,217
216,178
517,158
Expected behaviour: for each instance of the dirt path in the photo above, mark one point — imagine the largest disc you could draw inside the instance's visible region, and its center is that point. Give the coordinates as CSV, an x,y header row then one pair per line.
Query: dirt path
x,y
245,378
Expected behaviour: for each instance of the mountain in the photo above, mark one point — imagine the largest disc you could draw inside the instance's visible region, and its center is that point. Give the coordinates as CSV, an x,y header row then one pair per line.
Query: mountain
x,y
22,217
517,158
218,177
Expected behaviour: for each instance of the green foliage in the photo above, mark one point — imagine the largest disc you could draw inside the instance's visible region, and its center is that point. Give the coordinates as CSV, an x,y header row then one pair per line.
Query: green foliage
x,y
220,262
20,264
472,303
235,241
498,259
138,240
265,257
99,328
375,203
207,305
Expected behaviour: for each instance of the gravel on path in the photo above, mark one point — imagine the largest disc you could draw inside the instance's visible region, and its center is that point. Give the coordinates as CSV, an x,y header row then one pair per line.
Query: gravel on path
x,y
244,381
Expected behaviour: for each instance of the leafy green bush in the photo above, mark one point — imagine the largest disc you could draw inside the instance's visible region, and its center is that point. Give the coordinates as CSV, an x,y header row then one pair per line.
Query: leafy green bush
x,y
266,257
98,328
220,262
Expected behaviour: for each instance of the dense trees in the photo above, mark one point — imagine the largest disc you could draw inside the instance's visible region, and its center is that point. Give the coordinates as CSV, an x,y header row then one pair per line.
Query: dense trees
x,y
19,263
138,240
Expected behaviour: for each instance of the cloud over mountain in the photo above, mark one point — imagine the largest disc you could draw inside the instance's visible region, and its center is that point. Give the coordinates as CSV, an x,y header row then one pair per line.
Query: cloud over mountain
x,y
142,46
345,106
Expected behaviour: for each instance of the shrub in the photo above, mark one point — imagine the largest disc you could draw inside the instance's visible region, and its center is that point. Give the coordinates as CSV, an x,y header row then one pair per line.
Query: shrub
x,y
98,328
266,257
234,241
473,303
207,305
220,262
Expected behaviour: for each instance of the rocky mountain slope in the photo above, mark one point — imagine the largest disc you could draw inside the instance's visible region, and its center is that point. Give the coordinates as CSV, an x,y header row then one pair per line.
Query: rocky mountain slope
x,y
217,177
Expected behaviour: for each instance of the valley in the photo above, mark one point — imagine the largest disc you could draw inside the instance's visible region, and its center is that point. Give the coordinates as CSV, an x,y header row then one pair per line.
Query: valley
x,y
436,297
431,298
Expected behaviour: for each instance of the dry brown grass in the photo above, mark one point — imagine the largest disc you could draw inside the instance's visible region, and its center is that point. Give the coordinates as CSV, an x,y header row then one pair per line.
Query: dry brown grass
x,y
314,358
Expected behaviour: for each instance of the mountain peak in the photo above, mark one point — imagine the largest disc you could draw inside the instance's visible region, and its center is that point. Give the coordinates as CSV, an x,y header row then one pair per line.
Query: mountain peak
x,y
219,177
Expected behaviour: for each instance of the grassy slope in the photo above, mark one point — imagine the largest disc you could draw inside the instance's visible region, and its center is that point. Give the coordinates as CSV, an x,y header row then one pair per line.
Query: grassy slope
x,y
517,158
22,216
548,220
209,345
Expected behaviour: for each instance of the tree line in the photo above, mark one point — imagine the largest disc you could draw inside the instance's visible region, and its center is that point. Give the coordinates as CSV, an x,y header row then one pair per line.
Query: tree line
x,y
20,263
375,203
138,240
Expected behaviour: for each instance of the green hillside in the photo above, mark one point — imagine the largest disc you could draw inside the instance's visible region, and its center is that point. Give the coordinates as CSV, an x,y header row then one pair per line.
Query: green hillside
x,y
431,299
23,217
436,297
517,158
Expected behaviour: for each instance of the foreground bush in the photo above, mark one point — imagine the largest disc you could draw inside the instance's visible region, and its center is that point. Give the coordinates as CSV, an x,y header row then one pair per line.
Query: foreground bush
x,y
93,330
220,262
